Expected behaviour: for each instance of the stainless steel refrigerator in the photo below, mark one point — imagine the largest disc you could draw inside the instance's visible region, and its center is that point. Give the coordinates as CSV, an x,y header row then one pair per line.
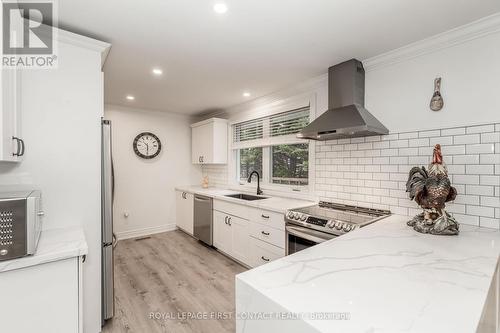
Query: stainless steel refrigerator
x,y
108,238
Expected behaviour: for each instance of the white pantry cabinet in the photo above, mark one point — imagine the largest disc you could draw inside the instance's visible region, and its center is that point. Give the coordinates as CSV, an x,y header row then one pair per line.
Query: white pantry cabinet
x,y
45,298
12,146
184,211
231,236
209,141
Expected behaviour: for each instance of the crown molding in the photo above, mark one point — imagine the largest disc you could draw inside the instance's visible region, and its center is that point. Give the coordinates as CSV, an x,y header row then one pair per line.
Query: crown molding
x,y
85,42
474,30
88,43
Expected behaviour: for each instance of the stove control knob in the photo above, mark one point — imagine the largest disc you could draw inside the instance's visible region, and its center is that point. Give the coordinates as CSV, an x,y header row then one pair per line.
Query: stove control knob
x,y
330,224
296,216
347,227
290,215
303,217
338,225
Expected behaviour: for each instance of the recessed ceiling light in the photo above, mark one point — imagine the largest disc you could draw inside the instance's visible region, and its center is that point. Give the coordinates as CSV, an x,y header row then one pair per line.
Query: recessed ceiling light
x,y
130,97
157,71
246,94
220,8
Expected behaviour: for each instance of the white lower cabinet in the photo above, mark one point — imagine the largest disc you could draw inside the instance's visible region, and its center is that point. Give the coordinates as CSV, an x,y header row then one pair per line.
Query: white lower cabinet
x,y
44,298
221,232
262,252
249,235
184,205
231,236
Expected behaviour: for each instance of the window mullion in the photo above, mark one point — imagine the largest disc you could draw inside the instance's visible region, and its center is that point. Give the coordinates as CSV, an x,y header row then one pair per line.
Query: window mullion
x,y
266,165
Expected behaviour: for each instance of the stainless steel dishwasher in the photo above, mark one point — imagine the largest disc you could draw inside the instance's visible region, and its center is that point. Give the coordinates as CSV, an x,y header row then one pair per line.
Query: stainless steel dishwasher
x,y
203,218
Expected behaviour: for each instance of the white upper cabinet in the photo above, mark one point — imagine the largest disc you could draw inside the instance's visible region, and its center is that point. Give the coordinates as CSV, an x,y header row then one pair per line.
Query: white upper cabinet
x,y
12,146
209,141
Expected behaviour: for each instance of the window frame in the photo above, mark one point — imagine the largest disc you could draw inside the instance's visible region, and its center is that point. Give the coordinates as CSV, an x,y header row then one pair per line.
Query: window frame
x,y
234,161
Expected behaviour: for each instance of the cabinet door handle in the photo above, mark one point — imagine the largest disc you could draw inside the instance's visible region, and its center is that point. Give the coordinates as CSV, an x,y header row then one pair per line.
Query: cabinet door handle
x,y
265,233
18,150
202,159
199,159
229,221
265,216
23,148
225,219
264,258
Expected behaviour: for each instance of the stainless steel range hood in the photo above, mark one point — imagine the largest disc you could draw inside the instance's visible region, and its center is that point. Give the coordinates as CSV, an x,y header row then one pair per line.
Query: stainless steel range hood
x,y
346,116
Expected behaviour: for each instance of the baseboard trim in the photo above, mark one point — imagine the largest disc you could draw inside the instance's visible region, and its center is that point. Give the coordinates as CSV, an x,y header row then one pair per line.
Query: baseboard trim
x,y
144,231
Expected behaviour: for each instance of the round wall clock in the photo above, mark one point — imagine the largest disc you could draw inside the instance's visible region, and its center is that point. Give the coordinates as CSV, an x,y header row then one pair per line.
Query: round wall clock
x,y
147,145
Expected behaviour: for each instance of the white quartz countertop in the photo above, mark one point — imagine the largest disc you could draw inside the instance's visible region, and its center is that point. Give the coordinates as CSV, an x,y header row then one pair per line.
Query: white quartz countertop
x,y
54,245
272,203
386,276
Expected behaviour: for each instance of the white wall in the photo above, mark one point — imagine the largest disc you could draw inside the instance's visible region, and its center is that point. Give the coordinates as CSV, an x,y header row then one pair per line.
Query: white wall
x,y
61,114
145,188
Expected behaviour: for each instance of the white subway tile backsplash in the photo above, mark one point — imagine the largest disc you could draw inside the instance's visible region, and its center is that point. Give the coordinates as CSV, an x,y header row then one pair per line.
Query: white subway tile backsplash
x,y
480,129
427,134
490,159
453,150
489,180
488,222
373,171
423,142
466,159
442,140
466,139
467,219
467,199
466,179
482,148
480,169
453,131
372,138
490,137
399,144
490,201
479,189
481,211
409,135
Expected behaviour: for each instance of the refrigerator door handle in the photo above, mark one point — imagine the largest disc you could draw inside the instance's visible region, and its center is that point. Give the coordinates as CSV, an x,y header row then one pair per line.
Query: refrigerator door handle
x,y
115,241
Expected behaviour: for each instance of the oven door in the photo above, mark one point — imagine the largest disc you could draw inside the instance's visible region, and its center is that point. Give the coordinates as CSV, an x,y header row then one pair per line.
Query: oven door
x,y
300,238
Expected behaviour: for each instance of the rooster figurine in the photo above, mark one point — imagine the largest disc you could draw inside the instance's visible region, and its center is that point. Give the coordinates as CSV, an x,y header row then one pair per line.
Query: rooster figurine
x,y
431,189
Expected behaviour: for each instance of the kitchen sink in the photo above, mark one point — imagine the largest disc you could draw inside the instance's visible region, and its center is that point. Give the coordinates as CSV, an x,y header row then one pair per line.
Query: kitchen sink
x,y
247,197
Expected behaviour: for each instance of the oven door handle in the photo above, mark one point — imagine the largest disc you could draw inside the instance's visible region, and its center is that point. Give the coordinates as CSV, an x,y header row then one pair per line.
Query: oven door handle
x,y
305,234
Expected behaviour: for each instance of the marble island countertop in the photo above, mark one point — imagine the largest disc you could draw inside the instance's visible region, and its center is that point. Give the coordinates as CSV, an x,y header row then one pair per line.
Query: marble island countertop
x,y
382,278
272,203
54,245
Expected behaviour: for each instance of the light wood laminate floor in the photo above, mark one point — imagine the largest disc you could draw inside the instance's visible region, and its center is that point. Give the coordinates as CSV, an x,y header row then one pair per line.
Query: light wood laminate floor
x,y
172,275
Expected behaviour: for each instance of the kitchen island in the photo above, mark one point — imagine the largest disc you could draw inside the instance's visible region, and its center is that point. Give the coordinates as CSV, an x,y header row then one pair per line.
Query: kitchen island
x,y
381,278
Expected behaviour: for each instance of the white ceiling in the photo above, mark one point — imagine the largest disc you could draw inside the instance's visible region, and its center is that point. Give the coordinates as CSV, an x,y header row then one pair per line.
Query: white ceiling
x,y
259,45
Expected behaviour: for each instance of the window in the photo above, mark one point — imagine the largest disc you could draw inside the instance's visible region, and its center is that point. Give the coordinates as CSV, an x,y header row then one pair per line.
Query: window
x,y
269,145
250,160
290,164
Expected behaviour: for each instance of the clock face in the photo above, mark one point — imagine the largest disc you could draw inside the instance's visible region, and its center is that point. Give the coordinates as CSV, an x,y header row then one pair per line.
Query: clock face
x,y
147,145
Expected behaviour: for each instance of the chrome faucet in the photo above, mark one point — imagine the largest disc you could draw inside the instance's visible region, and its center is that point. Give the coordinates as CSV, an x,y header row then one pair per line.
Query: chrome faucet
x,y
259,191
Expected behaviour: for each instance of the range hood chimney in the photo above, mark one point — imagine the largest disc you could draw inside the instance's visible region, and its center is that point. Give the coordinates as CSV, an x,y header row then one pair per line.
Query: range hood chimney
x,y
346,116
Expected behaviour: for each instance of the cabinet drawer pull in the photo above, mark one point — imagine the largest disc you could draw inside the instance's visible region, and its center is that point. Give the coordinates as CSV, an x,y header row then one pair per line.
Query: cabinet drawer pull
x,y
229,221
264,258
265,233
18,151
225,219
265,216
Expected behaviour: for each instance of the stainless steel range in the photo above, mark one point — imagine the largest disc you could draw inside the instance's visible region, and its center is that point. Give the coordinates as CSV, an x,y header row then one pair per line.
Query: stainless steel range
x,y
306,227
